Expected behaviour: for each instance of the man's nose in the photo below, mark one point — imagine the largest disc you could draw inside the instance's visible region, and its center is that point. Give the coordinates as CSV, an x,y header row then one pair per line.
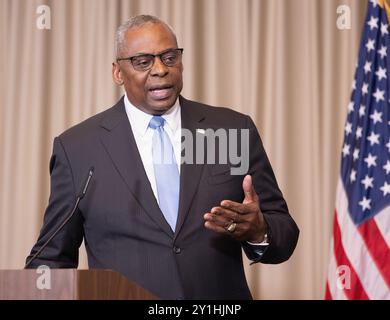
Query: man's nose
x,y
159,68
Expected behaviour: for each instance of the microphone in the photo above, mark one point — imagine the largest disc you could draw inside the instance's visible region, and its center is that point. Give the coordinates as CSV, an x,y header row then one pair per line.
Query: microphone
x,y
81,195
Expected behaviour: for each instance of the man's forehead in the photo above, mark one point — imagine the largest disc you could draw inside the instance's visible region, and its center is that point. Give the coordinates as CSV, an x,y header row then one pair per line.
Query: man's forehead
x,y
149,37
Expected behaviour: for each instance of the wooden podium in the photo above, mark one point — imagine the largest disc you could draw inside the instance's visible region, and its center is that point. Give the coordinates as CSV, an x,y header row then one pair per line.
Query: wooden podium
x,y
70,284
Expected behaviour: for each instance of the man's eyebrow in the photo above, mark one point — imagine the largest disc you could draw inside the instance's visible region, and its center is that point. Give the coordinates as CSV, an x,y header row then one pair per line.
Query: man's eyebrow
x,y
148,53
142,54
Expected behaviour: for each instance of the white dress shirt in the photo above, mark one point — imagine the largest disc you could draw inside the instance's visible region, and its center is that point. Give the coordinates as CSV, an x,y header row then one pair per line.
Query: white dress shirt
x,y
143,135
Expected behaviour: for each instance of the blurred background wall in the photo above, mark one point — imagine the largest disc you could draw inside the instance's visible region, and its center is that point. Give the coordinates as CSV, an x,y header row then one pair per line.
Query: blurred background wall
x,y
283,62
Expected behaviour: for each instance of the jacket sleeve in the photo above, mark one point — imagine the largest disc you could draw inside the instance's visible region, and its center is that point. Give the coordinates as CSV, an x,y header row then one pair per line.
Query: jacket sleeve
x,y
282,231
62,251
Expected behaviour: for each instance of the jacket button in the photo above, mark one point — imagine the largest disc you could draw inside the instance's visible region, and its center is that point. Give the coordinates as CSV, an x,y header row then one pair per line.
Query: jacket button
x,y
176,250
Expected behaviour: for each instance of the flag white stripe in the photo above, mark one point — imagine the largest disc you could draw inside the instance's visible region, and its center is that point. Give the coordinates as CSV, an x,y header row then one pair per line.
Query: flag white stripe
x,y
382,220
357,252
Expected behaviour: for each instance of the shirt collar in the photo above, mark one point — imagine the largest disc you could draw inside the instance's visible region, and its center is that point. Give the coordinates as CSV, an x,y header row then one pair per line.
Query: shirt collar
x,y
171,117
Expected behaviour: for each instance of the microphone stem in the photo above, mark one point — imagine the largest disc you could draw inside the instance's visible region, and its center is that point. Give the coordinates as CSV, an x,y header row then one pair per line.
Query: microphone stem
x,y
54,234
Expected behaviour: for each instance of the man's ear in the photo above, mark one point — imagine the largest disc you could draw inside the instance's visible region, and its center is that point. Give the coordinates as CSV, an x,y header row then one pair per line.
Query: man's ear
x,y
117,74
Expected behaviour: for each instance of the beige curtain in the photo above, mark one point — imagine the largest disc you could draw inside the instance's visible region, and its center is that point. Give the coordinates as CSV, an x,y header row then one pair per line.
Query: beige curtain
x,y
284,62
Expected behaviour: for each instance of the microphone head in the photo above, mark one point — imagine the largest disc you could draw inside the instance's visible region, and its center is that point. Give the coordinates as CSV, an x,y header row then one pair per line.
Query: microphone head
x,y
86,184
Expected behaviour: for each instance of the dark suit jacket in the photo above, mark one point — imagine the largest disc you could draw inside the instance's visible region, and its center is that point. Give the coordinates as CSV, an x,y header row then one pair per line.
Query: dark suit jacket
x,y
121,222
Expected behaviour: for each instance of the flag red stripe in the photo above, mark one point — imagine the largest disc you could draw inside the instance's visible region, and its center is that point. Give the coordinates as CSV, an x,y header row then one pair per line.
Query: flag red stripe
x,y
356,291
377,246
328,295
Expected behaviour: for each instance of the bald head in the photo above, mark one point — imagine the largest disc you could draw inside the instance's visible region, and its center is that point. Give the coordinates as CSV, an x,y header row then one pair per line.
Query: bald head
x,y
133,23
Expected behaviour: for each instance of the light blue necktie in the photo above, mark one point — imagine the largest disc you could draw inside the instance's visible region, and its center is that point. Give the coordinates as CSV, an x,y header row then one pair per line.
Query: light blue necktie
x,y
166,171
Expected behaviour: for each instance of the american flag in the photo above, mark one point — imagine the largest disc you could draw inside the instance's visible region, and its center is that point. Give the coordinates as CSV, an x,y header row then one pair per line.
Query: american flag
x,y
360,256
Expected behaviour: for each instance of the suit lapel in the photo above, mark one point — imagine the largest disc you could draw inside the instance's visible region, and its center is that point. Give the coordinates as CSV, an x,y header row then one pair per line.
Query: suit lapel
x,y
191,118
118,139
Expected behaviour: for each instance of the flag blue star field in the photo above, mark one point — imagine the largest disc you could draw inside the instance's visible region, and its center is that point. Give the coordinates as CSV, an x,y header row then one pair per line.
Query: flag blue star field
x,y
360,255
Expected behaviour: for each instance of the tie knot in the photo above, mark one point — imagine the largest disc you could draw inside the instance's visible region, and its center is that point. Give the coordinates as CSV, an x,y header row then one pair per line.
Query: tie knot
x,y
156,122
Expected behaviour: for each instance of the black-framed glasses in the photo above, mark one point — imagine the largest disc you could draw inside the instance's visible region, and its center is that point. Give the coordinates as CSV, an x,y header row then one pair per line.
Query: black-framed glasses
x,y
144,62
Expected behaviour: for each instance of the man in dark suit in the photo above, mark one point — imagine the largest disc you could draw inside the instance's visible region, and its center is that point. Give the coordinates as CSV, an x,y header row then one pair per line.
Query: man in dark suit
x,y
175,229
